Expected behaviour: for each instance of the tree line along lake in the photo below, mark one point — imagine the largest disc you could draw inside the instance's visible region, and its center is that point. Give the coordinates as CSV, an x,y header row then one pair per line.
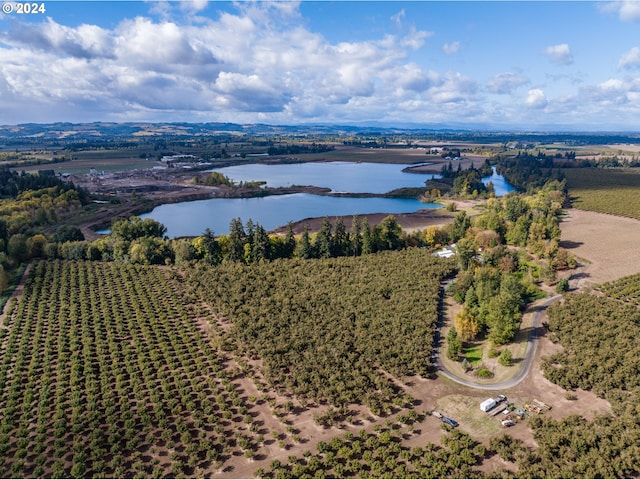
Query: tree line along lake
x,y
194,217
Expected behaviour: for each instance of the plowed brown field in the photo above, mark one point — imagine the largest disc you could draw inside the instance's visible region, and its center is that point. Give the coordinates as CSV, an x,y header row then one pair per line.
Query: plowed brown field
x,y
608,246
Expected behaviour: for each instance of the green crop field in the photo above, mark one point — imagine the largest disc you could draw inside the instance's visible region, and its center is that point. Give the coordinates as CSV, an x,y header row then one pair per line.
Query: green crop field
x,y
613,191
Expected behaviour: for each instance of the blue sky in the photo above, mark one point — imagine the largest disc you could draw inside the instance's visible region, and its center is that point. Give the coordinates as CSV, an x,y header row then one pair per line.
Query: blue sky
x,y
500,65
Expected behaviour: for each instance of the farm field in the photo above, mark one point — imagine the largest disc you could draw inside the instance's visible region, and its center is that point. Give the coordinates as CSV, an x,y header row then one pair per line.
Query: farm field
x,y
353,323
604,244
299,368
625,289
599,336
614,191
104,376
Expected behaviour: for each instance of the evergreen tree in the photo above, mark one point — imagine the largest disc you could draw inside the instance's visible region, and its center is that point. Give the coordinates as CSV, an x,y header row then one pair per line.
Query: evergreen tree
x,y
324,240
454,346
460,226
368,240
341,241
465,252
208,248
237,239
289,242
356,236
250,229
304,249
261,249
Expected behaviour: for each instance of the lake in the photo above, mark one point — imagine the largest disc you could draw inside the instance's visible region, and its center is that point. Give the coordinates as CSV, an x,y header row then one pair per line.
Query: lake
x,y
346,177
192,218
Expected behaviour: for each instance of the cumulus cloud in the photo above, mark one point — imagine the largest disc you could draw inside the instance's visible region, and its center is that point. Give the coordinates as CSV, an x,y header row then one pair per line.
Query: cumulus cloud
x,y
193,6
259,62
560,54
453,88
85,41
143,42
410,79
505,83
631,59
258,58
611,92
451,48
627,10
536,99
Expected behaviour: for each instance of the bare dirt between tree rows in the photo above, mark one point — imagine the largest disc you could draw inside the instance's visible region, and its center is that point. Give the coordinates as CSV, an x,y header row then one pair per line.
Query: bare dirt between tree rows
x,y
608,247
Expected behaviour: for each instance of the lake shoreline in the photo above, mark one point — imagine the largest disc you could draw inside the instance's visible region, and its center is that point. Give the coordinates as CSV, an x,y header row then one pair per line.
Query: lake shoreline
x,y
288,197
409,222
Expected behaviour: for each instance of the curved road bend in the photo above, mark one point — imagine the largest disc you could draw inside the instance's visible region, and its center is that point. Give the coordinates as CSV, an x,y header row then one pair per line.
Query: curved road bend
x,y
527,361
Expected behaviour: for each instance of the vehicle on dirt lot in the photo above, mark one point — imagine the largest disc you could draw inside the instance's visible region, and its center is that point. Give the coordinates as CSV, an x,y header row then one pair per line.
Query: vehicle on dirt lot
x,y
449,421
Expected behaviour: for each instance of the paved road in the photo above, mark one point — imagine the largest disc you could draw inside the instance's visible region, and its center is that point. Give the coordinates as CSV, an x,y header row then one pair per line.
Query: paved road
x,y
525,367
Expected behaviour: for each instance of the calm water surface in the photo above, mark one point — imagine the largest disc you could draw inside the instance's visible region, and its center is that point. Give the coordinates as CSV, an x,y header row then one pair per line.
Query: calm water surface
x,y
192,218
338,176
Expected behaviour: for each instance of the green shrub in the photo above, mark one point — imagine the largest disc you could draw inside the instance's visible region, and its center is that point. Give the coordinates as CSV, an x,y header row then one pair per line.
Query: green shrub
x,y
493,351
562,285
506,359
484,372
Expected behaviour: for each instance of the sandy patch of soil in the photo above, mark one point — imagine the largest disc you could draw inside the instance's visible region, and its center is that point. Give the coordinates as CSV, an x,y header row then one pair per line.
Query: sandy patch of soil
x,y
408,221
607,245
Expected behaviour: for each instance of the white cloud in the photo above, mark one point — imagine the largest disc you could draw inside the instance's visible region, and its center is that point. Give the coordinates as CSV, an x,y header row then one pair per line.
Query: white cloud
x,y
505,83
536,99
451,48
415,39
410,79
453,88
85,41
193,6
631,59
610,92
627,10
560,54
399,17
159,45
259,62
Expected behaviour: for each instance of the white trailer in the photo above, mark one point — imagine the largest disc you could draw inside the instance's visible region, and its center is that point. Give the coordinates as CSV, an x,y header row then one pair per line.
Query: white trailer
x,y
488,404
